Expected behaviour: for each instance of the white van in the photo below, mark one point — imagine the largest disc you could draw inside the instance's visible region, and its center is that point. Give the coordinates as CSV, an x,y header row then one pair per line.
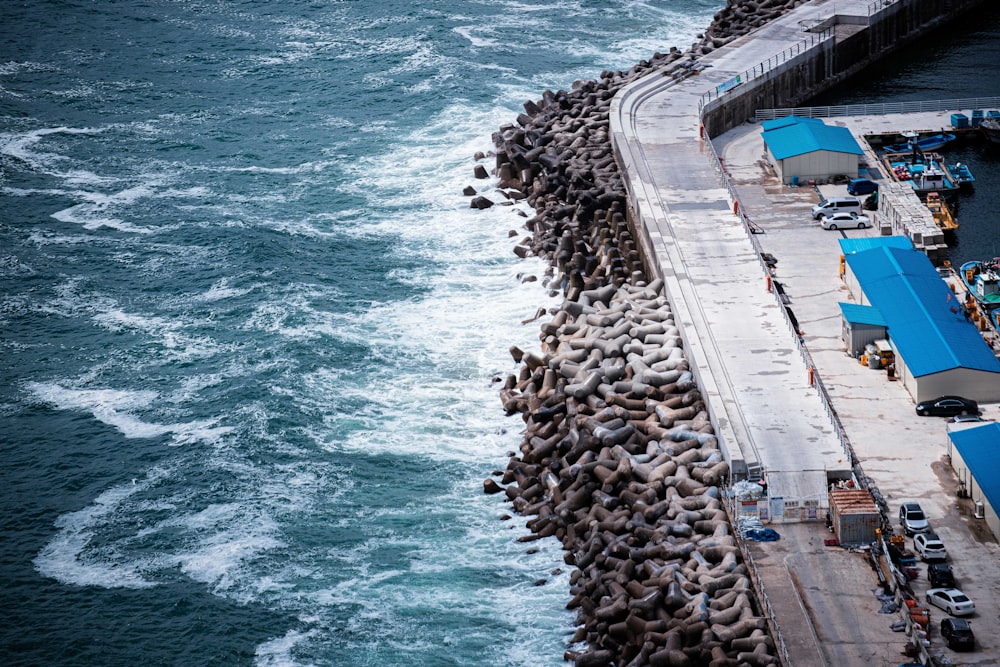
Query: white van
x,y
836,205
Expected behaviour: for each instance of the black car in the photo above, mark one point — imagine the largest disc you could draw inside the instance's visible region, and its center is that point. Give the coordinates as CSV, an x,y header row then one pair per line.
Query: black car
x,y
941,575
958,633
947,406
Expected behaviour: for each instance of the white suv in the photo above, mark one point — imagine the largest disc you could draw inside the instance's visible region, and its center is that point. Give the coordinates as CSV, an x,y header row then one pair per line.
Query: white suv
x,y
929,546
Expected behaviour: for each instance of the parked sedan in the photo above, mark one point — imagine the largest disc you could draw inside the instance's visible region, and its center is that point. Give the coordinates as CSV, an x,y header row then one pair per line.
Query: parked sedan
x,y
912,518
952,600
929,546
947,406
957,632
845,220
965,419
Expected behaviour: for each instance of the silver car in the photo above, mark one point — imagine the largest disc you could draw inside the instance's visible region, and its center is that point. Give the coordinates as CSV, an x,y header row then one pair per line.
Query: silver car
x,y
912,518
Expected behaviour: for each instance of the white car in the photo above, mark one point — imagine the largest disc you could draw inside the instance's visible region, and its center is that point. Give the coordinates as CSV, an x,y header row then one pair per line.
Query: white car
x,y
845,220
929,546
952,600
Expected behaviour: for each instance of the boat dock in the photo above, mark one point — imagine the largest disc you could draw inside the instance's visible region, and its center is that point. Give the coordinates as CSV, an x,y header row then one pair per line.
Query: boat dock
x,y
764,340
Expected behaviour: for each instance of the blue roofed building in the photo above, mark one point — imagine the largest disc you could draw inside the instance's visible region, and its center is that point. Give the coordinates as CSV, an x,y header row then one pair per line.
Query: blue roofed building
x,y
804,149
862,325
937,349
974,449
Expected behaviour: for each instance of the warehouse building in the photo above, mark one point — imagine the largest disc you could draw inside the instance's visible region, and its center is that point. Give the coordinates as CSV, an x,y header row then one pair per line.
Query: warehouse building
x,y
807,149
938,350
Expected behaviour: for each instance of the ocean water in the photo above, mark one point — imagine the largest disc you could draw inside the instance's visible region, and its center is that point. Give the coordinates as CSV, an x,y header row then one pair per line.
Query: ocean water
x,y
250,329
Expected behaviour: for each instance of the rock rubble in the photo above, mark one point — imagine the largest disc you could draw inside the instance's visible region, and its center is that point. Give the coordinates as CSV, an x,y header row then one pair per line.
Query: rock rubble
x,y
619,460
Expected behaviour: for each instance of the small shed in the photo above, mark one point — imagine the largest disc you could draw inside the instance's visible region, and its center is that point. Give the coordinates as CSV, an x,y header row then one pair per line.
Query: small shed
x,y
855,516
803,149
861,325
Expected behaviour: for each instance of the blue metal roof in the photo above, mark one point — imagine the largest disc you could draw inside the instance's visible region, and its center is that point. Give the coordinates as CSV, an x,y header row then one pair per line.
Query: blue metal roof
x,y
854,312
862,243
785,121
799,136
926,321
979,447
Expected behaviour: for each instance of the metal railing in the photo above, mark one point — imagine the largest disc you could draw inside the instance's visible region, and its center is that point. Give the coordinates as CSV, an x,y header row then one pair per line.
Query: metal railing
x,y
757,581
751,230
762,68
880,109
879,5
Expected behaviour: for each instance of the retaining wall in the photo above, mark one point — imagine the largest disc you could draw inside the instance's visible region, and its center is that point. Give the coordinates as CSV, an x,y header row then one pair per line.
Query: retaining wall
x,y
839,48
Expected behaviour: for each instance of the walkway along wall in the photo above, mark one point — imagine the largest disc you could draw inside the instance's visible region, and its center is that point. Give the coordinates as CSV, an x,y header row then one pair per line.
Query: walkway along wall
x,y
832,51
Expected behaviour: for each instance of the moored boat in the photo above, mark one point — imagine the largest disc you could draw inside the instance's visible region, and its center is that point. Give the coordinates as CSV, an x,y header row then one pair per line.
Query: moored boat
x,y
941,212
990,127
962,175
924,171
982,277
929,143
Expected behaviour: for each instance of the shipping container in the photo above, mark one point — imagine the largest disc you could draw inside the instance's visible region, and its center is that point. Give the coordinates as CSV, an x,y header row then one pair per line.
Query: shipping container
x,y
854,516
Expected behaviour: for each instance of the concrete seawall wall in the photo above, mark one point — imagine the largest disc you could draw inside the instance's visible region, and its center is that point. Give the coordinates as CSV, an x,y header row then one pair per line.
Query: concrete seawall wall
x,y
845,45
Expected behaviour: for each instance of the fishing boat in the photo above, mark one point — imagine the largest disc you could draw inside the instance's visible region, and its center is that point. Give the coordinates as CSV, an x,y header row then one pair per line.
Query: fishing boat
x,y
990,127
983,280
924,171
928,143
962,175
941,212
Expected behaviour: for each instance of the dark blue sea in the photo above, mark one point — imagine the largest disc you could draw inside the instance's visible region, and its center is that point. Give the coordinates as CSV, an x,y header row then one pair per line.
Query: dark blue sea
x,y
249,327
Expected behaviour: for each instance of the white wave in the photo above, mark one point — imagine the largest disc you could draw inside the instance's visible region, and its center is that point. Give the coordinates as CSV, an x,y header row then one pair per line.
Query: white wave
x,y
12,67
220,556
170,335
117,408
278,651
294,317
69,557
221,291
45,238
469,33
92,213
19,145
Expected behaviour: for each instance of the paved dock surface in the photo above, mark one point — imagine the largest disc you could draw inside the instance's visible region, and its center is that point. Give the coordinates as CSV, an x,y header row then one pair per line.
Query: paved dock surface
x,y
754,375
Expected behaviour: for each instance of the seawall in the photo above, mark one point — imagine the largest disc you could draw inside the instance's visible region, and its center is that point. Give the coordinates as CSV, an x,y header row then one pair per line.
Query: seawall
x,y
621,460
829,51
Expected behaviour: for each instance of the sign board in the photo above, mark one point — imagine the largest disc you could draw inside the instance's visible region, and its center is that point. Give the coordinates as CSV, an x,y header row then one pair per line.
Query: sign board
x,y
728,85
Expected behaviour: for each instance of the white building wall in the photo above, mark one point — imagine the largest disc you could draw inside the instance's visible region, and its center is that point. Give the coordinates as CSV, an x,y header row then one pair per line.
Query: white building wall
x,y
820,166
975,490
977,385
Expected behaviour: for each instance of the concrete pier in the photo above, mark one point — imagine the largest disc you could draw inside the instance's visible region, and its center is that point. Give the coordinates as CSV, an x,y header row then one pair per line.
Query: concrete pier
x,y
784,397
